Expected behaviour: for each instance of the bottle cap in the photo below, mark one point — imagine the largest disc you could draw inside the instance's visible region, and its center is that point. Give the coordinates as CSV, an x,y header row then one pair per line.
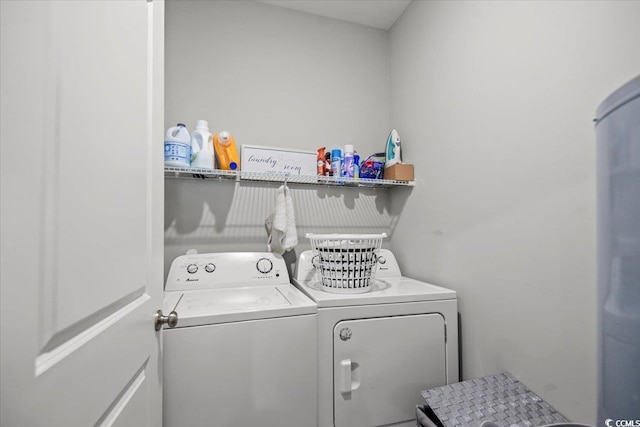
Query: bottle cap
x,y
348,148
336,152
181,124
224,138
202,124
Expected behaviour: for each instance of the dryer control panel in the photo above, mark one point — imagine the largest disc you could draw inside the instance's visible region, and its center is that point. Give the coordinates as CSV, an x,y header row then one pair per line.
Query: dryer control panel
x,y
229,269
387,266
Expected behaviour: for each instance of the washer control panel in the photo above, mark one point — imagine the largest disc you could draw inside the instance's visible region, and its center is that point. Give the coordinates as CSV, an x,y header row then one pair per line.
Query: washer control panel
x,y
220,270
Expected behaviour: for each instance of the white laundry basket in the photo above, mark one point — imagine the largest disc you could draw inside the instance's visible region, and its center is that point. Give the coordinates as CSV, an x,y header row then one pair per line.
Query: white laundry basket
x,y
346,263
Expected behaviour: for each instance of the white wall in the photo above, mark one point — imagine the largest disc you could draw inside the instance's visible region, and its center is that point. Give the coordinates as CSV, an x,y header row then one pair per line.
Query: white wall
x,y
227,216
494,101
273,77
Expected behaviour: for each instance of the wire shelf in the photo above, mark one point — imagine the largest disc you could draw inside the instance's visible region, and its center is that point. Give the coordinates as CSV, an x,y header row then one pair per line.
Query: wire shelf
x,y
217,174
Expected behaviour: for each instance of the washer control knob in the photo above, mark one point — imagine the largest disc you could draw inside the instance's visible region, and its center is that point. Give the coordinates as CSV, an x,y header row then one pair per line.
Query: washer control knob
x,y
382,260
210,268
264,265
192,268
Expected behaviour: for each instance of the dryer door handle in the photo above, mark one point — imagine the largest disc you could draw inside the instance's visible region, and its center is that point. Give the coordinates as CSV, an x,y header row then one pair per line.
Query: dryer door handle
x,y
350,376
345,374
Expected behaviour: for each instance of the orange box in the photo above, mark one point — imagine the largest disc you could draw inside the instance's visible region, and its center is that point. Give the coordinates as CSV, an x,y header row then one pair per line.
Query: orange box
x,y
399,172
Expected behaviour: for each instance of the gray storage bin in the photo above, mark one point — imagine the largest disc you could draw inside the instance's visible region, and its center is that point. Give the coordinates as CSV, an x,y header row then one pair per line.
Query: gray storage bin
x,y
500,399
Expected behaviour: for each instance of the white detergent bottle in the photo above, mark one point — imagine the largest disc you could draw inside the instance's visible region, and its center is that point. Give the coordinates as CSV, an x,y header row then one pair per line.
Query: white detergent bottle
x,y
202,146
177,147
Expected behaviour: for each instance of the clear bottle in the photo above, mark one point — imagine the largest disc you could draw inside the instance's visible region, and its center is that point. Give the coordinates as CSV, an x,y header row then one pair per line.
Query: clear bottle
x,y
348,161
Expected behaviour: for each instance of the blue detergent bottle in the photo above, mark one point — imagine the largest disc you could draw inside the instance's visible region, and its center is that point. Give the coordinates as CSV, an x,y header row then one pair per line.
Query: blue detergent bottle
x,y
356,166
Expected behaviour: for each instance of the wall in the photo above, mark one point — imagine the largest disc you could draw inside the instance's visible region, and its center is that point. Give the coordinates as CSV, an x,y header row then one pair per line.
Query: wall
x,y
227,216
494,102
277,77
272,77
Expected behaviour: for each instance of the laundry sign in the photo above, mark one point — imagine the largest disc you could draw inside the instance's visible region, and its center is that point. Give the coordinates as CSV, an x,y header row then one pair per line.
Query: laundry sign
x,y
256,158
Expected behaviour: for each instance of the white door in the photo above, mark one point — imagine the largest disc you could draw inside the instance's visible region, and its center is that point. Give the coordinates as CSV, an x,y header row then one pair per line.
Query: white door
x,y
81,212
380,366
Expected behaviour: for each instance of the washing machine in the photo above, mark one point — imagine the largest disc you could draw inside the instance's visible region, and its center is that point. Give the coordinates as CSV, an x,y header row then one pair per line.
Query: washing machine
x,y
377,350
244,351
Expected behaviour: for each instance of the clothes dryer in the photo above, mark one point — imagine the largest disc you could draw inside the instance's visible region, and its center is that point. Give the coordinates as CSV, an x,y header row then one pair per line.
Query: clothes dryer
x,y
244,350
377,350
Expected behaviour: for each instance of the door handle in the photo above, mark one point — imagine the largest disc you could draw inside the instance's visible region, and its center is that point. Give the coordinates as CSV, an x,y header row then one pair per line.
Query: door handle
x,y
160,319
349,376
345,370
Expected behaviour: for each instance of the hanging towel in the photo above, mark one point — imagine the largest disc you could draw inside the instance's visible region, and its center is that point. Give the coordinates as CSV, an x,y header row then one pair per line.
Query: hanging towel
x,y
281,224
